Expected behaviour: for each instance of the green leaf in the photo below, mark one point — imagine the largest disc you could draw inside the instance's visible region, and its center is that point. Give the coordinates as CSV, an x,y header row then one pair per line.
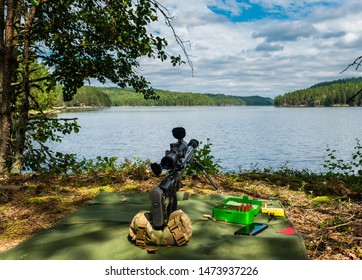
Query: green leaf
x,y
35,2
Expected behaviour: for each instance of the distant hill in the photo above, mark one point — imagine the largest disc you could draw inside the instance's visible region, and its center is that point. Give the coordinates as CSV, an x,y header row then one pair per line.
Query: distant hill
x,y
128,97
330,93
90,96
225,100
357,80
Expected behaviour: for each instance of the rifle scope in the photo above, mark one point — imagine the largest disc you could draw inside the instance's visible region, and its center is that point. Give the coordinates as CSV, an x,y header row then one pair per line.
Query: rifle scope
x,y
177,152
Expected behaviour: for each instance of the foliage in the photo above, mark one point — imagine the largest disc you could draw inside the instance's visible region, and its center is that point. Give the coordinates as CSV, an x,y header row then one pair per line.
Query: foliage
x,y
203,156
226,100
256,100
307,181
69,164
38,156
91,39
334,93
97,190
128,97
322,200
40,200
110,96
340,167
105,164
90,96
340,81
43,96
130,187
137,168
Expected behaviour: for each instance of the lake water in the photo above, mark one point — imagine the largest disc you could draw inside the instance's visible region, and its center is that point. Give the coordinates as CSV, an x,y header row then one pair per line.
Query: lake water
x,y
241,137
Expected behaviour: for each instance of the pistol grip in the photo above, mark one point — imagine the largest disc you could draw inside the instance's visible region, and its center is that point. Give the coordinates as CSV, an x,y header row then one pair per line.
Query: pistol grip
x,y
157,208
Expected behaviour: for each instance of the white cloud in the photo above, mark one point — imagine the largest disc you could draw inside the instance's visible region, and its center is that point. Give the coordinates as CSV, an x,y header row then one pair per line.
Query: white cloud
x,y
265,57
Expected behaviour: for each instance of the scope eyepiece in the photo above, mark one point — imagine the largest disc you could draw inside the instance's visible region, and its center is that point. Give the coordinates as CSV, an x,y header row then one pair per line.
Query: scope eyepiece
x,y
169,161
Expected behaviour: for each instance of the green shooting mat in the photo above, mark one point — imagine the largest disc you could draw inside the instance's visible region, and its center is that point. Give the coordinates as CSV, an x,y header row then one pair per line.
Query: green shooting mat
x,y
100,231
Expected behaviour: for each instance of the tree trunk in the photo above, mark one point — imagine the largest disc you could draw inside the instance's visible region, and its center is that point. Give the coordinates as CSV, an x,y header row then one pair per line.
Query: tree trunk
x,y
2,29
22,122
8,69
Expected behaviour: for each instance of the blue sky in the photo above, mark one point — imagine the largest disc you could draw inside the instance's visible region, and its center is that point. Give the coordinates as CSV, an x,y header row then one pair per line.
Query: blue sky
x,y
258,47
246,11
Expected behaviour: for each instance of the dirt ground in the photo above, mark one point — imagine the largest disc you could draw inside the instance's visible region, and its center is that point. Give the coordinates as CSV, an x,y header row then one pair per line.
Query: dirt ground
x,y
331,226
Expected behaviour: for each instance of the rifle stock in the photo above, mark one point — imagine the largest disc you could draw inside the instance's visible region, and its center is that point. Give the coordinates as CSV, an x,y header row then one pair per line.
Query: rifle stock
x,y
163,202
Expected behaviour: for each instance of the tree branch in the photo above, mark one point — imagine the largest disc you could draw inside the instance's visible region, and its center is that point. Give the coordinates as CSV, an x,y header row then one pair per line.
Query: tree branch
x,y
37,104
357,62
354,95
166,14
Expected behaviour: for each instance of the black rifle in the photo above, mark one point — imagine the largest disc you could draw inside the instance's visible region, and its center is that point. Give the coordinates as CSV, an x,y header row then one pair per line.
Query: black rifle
x,y
163,197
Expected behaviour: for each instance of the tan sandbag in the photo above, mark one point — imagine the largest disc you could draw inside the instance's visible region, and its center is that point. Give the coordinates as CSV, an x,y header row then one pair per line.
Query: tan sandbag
x,y
177,232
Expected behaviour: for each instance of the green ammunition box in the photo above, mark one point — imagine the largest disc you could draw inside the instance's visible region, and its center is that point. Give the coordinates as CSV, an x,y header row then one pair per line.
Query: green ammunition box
x,y
232,210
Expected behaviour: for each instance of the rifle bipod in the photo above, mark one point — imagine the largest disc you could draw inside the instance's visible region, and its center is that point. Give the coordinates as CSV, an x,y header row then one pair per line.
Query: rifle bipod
x,y
202,169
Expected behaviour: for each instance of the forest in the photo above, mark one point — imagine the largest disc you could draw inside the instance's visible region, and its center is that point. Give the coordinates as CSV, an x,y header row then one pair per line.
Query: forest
x,y
113,96
128,97
343,92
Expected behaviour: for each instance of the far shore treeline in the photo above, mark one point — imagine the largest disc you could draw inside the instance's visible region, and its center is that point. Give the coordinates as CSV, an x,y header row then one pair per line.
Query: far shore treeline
x,y
343,92
327,94
112,96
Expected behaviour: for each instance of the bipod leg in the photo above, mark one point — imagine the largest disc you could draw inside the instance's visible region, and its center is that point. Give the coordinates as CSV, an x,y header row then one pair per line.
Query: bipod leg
x,y
202,169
